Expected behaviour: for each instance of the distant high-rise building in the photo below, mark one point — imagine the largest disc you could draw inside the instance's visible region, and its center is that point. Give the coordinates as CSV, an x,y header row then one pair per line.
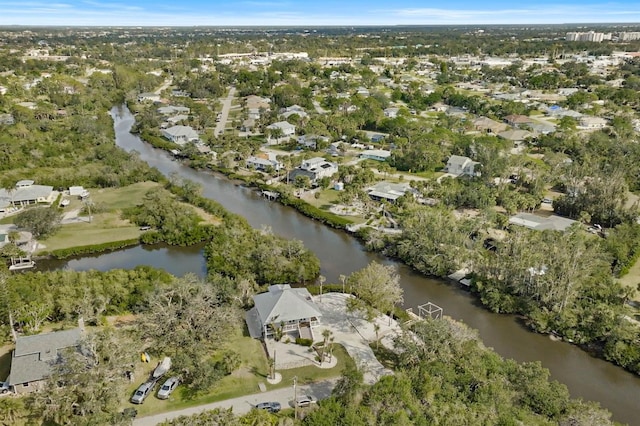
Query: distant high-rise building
x,y
629,35
588,36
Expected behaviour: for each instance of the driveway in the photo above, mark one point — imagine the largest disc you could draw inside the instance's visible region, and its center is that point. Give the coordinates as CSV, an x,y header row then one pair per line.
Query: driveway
x,y
224,114
243,404
354,332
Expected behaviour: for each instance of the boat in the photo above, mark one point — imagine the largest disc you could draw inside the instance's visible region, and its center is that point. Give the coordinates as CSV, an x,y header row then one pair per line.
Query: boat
x,y
162,368
21,263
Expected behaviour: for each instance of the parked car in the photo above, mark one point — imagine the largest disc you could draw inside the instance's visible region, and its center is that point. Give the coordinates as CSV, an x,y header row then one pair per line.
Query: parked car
x,y
168,387
305,401
4,388
547,201
272,407
142,392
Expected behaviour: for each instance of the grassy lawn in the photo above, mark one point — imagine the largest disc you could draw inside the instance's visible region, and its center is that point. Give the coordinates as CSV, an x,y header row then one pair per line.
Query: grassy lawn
x,y
104,228
631,279
243,381
328,197
121,198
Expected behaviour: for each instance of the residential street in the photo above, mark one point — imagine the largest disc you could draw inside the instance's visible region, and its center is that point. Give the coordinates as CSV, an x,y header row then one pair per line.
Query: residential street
x,y
224,115
243,404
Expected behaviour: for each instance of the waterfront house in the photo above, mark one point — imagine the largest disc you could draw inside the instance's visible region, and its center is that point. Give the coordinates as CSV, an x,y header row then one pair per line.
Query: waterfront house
x,y
180,135
26,193
387,191
283,309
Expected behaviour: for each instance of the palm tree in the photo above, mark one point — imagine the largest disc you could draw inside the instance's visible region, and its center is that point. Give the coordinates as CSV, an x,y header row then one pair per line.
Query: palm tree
x,y
326,333
376,328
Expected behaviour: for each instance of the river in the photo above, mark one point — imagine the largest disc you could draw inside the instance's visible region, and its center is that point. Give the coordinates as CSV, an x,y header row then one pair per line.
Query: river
x,y
585,376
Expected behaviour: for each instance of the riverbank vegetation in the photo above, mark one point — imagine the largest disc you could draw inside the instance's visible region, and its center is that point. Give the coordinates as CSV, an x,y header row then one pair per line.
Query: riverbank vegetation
x,y
442,375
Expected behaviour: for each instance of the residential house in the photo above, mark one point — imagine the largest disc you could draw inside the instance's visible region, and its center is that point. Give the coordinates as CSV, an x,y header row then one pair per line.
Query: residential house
x,y
248,125
362,91
456,112
33,358
543,127
148,97
311,141
517,120
255,105
539,223
177,119
25,193
387,191
485,124
6,119
283,309
517,136
461,166
264,161
590,122
171,110
286,129
391,112
315,169
180,135
439,107
376,154
293,110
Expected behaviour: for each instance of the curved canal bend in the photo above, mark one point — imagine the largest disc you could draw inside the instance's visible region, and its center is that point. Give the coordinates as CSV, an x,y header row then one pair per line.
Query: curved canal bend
x,y
586,377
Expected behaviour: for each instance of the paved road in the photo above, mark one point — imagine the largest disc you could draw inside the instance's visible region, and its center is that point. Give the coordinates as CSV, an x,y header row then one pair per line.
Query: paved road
x,y
224,115
243,404
164,86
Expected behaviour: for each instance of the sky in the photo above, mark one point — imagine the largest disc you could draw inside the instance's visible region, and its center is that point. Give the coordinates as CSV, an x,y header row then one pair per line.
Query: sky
x,y
312,12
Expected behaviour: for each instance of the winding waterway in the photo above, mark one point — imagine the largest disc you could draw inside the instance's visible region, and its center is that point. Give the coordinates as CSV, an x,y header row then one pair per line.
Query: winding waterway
x,y
586,377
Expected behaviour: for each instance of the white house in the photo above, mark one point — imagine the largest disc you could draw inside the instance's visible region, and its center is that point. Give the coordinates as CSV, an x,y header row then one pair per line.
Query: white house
x,y
25,193
291,310
171,110
264,161
376,154
389,191
391,112
319,166
180,134
459,166
287,130
148,97
589,122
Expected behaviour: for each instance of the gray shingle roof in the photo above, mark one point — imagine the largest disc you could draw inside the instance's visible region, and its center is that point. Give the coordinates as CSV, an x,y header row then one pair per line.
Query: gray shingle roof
x,y
283,303
33,355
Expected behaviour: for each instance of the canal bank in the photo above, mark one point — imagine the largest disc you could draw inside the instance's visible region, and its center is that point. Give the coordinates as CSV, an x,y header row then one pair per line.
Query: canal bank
x,y
339,253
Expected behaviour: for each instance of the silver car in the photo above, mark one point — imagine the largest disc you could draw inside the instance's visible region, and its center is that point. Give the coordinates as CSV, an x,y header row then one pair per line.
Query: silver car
x,y
169,386
142,392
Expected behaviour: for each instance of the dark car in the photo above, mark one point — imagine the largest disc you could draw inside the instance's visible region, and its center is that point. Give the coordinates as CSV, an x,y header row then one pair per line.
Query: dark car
x,y
272,407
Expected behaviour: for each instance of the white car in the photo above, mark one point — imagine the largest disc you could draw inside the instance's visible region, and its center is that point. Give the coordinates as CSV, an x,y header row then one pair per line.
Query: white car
x,y
169,386
305,401
4,388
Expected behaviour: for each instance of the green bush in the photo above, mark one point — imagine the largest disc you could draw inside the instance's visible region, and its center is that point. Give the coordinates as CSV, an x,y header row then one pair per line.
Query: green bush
x,y
95,248
304,342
